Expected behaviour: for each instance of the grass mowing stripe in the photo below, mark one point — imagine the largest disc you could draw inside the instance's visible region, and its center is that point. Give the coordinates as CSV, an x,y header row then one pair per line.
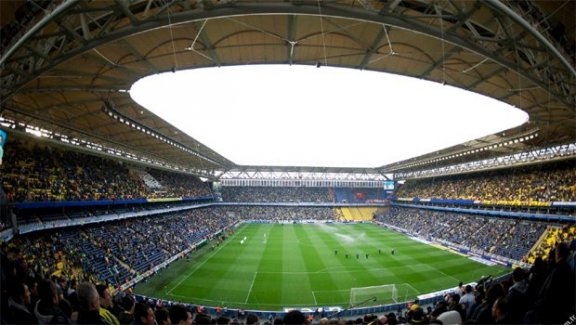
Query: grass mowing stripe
x,y
251,286
226,278
395,269
345,270
202,263
261,240
271,261
418,273
297,288
387,267
232,278
295,266
368,270
315,259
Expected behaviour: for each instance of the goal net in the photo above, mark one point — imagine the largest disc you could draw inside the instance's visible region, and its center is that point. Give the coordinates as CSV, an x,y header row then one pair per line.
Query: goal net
x,y
382,294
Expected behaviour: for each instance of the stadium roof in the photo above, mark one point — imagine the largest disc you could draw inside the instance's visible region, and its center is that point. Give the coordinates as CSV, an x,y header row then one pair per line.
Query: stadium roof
x,y
67,66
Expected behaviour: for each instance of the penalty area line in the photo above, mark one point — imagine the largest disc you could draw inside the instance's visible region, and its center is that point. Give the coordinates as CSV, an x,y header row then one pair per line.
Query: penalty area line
x,y
251,286
314,296
204,262
446,275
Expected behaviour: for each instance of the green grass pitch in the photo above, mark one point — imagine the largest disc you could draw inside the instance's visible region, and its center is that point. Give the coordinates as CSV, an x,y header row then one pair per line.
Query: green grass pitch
x,y
283,266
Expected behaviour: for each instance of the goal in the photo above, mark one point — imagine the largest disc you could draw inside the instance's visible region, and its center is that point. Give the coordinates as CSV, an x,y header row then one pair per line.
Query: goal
x,y
375,295
382,294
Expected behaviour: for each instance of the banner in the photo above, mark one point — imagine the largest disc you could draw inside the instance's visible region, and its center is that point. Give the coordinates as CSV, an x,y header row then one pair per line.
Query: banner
x,y
3,136
2,141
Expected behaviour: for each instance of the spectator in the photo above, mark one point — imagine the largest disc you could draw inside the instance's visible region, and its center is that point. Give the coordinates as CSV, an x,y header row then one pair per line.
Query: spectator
x,y
450,317
538,274
180,315
202,319
89,305
163,317
555,301
143,314
483,314
516,297
127,314
294,317
18,311
468,300
47,309
252,319
106,305
392,319
501,312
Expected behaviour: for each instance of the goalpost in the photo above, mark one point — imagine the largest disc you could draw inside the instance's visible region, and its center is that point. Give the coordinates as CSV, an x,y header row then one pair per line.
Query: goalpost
x,y
375,295
382,294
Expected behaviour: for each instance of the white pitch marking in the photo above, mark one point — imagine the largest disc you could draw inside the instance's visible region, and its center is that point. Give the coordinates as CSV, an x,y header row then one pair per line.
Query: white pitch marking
x,y
199,265
251,285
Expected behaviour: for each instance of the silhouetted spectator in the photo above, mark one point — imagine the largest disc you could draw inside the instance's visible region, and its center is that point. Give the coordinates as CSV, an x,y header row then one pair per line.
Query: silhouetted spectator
x,y
18,311
294,317
144,315
555,301
47,309
180,315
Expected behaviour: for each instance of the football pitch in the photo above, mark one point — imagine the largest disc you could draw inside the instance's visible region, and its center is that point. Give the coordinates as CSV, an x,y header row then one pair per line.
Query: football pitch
x,y
274,266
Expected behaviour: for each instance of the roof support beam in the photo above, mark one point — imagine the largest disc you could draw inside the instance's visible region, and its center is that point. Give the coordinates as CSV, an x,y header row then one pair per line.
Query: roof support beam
x,y
514,16
329,9
66,5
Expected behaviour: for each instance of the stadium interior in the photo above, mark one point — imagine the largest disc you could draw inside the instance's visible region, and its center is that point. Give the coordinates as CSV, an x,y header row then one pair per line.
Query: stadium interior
x,y
103,204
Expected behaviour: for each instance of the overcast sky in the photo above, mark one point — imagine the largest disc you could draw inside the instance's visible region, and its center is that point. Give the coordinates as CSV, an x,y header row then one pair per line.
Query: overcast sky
x,y
327,117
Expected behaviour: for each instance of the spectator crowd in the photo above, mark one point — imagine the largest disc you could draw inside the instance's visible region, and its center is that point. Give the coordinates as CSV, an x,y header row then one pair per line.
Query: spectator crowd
x,y
50,277
33,172
511,238
276,194
275,213
68,275
541,183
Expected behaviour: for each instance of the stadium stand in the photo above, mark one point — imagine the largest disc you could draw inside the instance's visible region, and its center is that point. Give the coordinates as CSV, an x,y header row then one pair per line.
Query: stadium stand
x,y
117,252
275,194
552,237
148,179
176,185
44,273
302,194
357,195
100,254
99,250
511,238
37,172
541,183
357,214
272,213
